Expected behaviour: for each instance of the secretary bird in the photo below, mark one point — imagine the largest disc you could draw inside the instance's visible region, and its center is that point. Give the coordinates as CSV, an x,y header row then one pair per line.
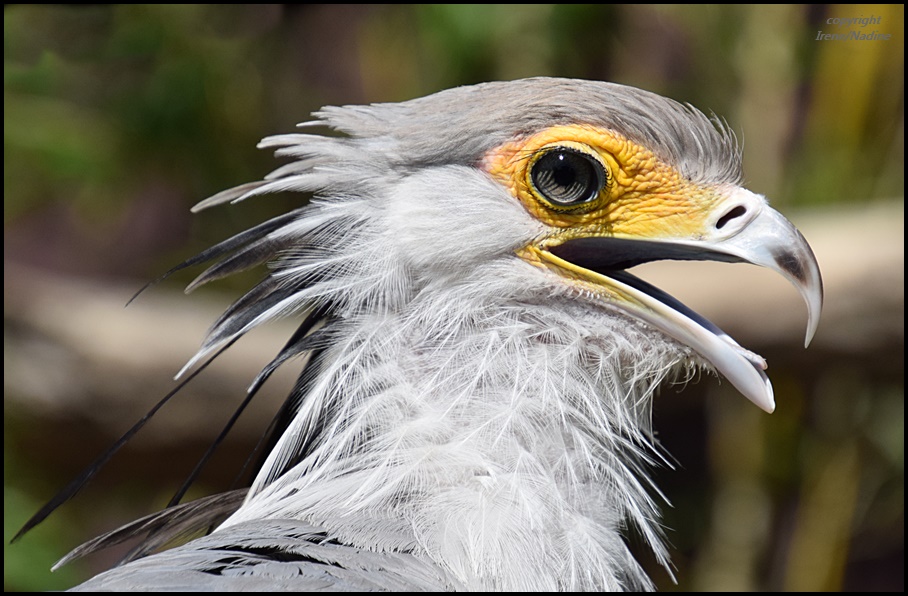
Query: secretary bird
x,y
480,365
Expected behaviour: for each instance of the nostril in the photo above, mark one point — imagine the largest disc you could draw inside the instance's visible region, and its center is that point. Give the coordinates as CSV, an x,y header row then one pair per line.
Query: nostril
x,y
735,213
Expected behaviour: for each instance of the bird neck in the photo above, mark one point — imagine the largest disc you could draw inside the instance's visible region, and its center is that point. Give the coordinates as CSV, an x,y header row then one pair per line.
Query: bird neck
x,y
494,436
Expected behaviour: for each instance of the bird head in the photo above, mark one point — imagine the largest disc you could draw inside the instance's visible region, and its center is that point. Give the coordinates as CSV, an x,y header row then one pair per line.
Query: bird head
x,y
474,187
474,397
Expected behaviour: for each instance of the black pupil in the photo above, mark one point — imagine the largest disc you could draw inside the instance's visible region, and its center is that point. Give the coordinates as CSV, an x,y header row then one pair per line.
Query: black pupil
x,y
567,177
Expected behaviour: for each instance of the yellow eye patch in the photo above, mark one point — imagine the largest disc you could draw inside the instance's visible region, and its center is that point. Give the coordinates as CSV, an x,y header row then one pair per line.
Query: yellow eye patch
x,y
641,195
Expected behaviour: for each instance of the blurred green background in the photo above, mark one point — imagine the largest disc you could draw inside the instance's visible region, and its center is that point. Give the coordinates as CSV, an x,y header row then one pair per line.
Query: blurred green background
x,y
118,118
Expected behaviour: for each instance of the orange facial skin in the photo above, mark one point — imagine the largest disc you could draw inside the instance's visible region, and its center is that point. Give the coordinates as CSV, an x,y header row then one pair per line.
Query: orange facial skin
x,y
643,197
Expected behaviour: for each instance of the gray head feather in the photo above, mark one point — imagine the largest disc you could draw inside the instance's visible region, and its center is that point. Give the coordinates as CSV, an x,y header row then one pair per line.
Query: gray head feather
x,y
458,125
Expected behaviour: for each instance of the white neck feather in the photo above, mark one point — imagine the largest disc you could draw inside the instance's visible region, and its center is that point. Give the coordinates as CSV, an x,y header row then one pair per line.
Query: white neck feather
x,y
494,422
500,438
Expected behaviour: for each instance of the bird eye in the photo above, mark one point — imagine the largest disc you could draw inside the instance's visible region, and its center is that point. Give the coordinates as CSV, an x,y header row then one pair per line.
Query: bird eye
x,y
567,178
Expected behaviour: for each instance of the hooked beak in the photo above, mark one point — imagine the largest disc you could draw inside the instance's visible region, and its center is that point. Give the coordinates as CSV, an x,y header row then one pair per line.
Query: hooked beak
x,y
743,228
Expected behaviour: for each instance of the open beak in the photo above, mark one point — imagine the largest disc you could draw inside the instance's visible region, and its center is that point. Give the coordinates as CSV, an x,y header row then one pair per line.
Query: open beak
x,y
742,228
